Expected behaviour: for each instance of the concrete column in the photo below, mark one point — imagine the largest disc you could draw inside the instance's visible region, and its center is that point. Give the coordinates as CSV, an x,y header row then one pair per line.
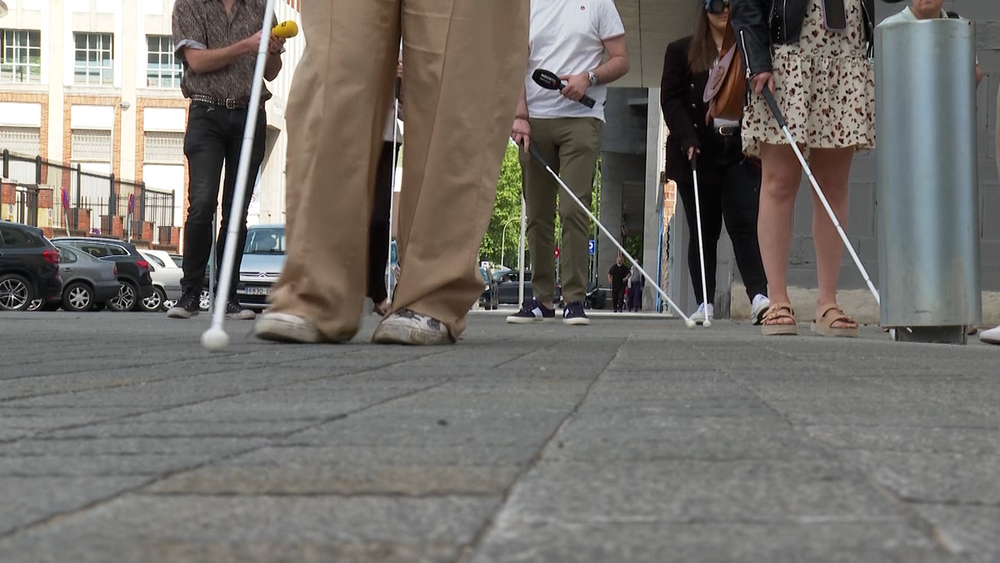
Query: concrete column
x,y
55,20
679,289
655,140
128,48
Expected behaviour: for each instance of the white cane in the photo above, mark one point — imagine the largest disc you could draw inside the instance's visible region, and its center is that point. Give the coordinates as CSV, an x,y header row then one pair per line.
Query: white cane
x,y
215,338
701,241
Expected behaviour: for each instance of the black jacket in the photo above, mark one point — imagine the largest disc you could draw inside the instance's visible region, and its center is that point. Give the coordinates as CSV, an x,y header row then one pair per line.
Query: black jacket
x,y
681,94
759,24
681,97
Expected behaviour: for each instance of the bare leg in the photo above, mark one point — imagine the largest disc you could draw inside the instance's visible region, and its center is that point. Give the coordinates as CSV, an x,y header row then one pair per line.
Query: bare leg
x,y
832,168
780,181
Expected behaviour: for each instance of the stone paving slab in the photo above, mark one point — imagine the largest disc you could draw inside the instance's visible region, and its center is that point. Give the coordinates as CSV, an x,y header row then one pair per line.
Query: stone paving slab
x,y
716,542
633,439
255,528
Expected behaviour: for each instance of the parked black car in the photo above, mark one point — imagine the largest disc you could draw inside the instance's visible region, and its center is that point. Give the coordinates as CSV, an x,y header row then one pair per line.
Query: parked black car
x,y
133,270
29,266
507,288
489,299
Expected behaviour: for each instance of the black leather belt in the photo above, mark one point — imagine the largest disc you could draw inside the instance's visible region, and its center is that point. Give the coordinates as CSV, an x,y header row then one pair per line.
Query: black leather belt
x,y
229,103
729,130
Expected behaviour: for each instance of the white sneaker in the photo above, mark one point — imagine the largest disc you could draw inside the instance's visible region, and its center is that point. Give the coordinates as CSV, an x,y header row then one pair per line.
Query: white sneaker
x,y
409,327
991,336
283,327
706,311
758,308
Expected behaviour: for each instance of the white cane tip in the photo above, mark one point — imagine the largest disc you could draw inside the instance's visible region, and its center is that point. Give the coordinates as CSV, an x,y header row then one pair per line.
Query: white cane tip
x,y
707,324
690,323
215,339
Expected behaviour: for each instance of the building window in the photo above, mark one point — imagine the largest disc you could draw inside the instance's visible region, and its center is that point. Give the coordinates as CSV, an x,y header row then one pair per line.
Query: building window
x,y
21,56
163,70
94,59
24,144
24,141
91,145
164,147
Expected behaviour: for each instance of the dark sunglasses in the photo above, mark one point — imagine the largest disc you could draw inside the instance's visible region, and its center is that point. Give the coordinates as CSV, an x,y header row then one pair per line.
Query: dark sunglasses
x,y
716,6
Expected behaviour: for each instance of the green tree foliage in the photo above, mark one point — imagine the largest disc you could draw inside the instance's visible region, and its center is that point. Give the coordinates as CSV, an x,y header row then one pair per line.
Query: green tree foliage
x,y
506,209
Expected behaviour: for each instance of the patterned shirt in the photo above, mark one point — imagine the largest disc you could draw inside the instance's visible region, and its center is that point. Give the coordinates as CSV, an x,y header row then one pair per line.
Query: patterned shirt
x,y
204,24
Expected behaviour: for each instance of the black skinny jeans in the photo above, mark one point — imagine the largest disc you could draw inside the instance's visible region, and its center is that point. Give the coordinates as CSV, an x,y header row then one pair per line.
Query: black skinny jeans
x,y
378,229
214,137
730,192
618,297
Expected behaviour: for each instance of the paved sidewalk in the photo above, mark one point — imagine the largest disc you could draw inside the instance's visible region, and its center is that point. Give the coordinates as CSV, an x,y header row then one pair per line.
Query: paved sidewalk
x,y
629,440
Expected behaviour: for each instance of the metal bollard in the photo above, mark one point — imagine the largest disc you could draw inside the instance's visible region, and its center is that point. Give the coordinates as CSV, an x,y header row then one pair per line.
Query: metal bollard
x,y
927,201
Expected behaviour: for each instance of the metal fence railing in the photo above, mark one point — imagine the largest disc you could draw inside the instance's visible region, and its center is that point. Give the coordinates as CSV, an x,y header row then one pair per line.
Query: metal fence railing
x,y
108,200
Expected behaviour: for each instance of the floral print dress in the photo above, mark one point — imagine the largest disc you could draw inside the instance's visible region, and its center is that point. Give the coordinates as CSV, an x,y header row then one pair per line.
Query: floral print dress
x,y
824,85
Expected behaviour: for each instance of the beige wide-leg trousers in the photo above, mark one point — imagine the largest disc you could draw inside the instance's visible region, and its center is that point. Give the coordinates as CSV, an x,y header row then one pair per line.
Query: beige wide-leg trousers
x,y
464,63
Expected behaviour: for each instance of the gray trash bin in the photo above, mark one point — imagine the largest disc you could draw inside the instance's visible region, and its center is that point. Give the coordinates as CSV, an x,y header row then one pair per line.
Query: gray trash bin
x,y
928,191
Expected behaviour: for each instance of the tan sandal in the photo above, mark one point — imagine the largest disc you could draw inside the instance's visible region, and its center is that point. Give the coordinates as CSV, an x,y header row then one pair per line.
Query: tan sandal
x,y
775,312
824,324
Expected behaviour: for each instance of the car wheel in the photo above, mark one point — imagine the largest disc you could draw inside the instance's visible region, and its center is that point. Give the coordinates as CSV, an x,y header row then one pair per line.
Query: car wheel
x,y
16,294
204,300
154,303
78,297
126,299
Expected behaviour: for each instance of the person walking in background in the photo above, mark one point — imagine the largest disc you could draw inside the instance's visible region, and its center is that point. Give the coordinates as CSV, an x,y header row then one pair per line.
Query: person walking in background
x,y
635,283
568,37
465,60
378,230
729,183
217,41
824,84
618,277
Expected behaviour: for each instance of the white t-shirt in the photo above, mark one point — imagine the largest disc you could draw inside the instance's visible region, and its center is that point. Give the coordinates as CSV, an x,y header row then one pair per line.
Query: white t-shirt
x,y
907,15
567,37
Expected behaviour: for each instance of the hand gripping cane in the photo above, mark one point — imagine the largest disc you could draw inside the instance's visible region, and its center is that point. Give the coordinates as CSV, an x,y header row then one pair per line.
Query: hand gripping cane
x,y
541,161
769,98
215,338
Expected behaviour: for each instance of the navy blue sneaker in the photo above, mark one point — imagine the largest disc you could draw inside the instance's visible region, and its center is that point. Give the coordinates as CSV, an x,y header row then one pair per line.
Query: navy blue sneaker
x,y
573,314
532,311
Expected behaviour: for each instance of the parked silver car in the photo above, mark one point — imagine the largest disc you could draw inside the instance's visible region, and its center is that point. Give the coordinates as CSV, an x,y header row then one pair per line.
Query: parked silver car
x,y
263,260
166,280
87,281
